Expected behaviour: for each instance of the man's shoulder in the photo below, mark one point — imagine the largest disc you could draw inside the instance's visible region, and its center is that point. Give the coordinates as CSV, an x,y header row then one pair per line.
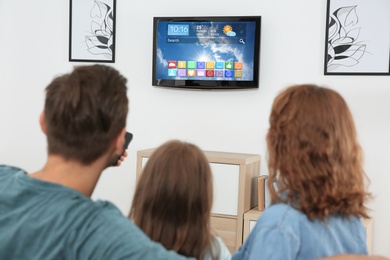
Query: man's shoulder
x,y
9,169
110,234
108,214
98,219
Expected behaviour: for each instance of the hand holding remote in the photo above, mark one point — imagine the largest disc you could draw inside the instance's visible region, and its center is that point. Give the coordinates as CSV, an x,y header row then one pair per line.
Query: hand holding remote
x,y
118,159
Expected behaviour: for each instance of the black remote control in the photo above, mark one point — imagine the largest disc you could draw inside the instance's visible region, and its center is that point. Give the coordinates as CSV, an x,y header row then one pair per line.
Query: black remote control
x,y
128,138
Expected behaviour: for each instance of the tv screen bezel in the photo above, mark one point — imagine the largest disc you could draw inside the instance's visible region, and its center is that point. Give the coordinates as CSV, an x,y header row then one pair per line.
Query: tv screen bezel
x,y
210,84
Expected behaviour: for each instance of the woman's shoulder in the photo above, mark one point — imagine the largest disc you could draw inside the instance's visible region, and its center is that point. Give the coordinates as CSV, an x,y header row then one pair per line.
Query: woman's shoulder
x,y
282,212
285,217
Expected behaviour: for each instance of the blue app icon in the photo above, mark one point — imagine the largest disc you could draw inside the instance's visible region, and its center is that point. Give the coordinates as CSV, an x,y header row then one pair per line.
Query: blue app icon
x,y
201,65
228,73
219,65
172,72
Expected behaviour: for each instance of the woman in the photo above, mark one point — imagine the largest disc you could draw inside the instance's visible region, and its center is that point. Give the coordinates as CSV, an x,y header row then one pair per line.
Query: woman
x,y
173,200
315,157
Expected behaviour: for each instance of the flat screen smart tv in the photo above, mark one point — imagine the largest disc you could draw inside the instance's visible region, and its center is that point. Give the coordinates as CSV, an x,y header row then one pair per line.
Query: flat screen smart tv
x,y
206,52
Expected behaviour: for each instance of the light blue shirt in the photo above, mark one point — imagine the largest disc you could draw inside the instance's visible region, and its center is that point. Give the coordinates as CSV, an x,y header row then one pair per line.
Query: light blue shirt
x,y
42,220
283,232
218,248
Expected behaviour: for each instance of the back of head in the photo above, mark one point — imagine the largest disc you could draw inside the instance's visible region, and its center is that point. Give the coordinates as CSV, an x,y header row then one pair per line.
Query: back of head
x,y
84,112
173,198
313,148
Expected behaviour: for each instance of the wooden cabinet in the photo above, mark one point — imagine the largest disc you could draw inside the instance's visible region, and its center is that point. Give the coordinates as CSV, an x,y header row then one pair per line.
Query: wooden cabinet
x,y
250,219
235,191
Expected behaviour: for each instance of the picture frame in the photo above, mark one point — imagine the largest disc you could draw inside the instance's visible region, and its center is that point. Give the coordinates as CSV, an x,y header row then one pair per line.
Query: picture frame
x,y
92,30
357,40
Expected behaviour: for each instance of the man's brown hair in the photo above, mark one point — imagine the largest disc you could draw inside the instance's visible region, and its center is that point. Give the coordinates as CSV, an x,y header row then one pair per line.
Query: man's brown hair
x,y
173,199
314,152
85,111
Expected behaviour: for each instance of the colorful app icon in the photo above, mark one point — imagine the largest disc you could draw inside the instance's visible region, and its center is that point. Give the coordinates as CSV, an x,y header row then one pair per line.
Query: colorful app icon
x,y
238,65
200,65
172,72
181,73
210,65
171,64
238,73
200,73
220,65
191,64
228,73
219,73
191,73
229,65
181,64
209,73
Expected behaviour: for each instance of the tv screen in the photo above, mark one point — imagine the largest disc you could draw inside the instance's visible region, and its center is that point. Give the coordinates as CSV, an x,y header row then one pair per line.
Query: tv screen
x,y
206,52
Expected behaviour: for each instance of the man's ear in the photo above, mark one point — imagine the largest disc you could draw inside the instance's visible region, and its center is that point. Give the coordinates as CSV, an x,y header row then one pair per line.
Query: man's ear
x,y
42,122
120,141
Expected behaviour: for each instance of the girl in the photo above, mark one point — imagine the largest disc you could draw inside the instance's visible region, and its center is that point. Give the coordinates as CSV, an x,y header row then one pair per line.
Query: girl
x,y
173,200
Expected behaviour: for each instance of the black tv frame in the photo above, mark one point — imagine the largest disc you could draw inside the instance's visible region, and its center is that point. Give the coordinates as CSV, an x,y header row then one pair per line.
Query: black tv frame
x,y
210,84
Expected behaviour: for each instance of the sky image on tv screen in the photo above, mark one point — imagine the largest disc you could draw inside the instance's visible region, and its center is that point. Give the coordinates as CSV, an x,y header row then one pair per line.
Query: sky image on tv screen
x,y
205,50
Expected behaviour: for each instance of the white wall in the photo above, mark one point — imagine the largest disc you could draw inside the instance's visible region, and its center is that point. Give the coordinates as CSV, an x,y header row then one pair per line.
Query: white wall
x,y
34,49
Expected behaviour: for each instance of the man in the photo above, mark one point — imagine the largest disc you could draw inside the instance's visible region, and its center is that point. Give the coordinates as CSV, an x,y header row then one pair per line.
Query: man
x,y
49,214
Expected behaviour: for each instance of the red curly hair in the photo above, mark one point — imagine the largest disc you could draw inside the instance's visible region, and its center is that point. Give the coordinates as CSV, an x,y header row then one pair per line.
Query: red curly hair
x,y
314,154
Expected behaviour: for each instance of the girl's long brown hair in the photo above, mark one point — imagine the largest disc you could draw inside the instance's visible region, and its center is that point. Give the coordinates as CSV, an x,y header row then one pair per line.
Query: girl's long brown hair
x,y
173,199
314,153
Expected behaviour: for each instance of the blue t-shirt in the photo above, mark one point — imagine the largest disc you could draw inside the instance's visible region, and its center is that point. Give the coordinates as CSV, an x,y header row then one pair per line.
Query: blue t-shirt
x,y
283,232
43,220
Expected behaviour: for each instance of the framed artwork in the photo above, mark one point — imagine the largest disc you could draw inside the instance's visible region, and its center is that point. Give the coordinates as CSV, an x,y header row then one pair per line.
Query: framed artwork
x,y
357,37
92,30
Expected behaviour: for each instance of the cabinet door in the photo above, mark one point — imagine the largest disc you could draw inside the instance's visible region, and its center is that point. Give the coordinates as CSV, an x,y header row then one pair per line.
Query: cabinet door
x,y
225,180
144,161
252,224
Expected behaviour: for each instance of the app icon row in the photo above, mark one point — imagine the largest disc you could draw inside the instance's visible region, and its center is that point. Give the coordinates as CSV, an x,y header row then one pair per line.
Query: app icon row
x,y
228,65
204,73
